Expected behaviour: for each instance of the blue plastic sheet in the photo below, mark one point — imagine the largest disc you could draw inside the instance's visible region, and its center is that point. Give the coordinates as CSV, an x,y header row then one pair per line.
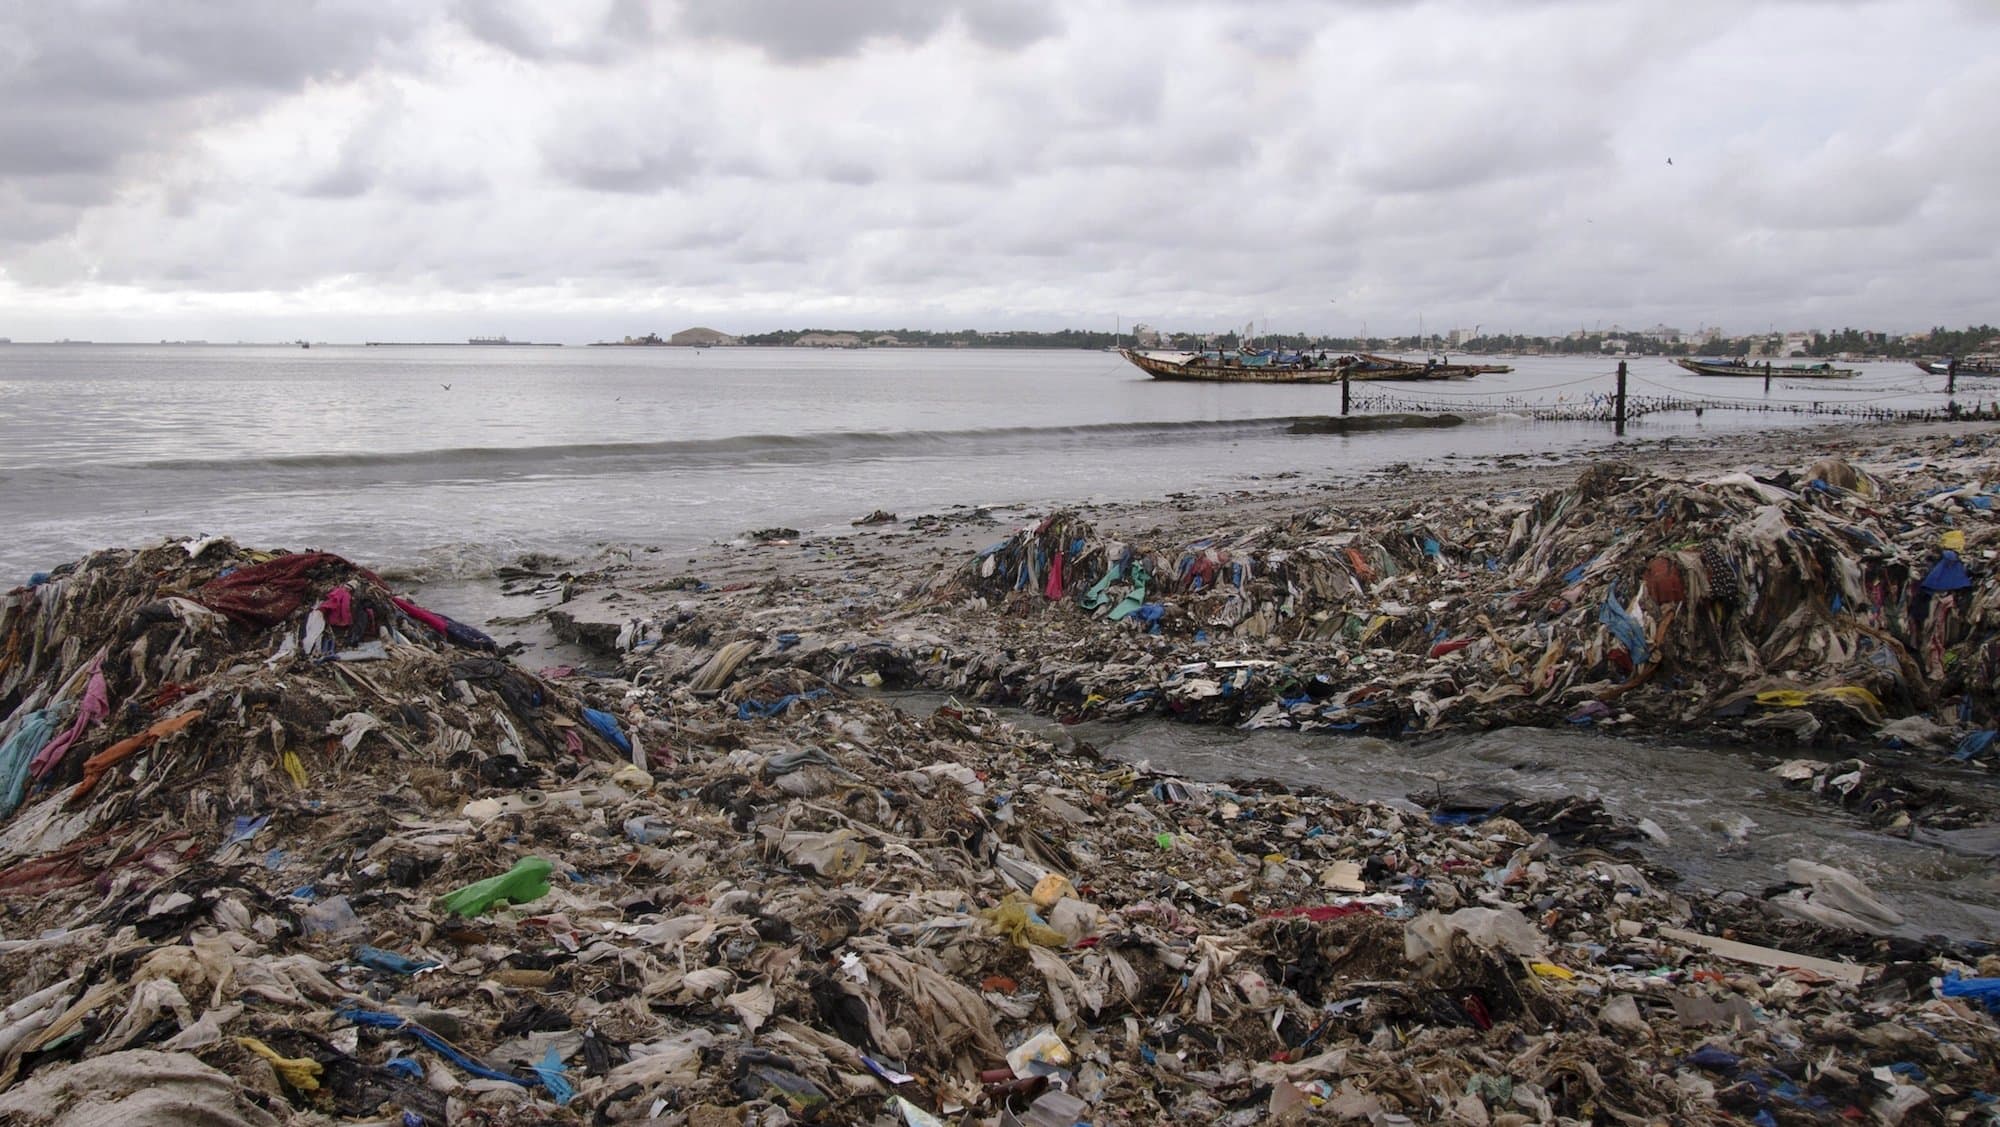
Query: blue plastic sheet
x,y
1975,744
378,1020
755,708
1713,1059
1985,991
375,958
606,725
1576,573
550,1072
1623,627
1948,574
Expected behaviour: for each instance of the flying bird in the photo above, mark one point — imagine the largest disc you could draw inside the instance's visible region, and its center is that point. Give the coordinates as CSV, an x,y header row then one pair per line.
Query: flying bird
x,y
1670,160
445,386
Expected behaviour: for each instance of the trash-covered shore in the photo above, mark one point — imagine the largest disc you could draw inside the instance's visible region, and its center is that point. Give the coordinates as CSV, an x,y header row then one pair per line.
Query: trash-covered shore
x,y
1827,604
283,845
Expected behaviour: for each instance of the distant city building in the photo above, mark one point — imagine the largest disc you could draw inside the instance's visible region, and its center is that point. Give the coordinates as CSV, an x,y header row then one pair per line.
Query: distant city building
x,y
1796,344
827,340
1661,334
701,338
1458,336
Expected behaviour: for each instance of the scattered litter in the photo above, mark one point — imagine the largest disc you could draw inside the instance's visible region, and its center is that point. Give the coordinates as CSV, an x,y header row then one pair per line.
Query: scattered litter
x,y
273,884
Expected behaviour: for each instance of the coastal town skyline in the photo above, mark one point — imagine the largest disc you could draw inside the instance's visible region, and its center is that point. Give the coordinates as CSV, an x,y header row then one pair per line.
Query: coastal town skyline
x,y
442,171
1659,339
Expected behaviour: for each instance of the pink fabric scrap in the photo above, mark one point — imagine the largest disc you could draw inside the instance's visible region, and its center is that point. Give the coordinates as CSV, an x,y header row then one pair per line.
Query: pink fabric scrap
x,y
338,606
95,707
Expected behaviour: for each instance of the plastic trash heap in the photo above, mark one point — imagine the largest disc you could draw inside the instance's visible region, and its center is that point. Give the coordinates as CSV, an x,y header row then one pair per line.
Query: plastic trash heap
x,y
1820,600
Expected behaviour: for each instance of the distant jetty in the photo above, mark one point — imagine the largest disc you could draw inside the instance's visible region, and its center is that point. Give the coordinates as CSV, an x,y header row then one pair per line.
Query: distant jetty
x,y
481,342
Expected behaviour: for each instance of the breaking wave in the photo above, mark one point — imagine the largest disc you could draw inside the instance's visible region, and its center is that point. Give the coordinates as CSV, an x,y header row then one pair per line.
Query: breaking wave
x,y
490,462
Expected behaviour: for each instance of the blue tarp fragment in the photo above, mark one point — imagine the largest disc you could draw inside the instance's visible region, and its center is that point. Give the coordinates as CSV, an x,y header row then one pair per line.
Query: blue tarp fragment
x,y
606,725
759,708
1985,991
394,1024
1623,627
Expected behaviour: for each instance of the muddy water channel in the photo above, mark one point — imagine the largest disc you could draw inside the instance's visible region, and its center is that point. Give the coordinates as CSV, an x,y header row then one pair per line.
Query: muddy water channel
x,y
1716,816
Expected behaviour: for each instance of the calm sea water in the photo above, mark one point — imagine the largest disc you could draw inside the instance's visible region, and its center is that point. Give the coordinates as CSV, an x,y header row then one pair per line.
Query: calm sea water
x,y
458,459
450,461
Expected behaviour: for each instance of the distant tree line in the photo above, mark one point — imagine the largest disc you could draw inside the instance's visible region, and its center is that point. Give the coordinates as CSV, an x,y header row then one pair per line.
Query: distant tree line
x,y
956,338
1938,342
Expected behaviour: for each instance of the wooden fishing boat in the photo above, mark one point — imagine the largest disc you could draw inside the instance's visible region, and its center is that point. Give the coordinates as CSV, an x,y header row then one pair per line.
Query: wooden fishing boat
x,y
1967,366
1819,371
1213,367
1265,367
1390,368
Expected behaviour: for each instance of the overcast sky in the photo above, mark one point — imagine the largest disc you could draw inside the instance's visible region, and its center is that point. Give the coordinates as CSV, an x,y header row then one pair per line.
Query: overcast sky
x,y
343,169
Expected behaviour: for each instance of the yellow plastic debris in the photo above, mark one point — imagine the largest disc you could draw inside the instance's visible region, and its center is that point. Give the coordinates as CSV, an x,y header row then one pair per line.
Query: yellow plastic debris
x,y
1015,918
1797,698
301,1073
1953,539
294,768
1550,970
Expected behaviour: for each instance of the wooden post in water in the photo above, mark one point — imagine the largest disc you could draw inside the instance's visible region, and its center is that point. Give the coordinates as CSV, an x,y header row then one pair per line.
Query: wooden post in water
x,y
1620,416
1343,389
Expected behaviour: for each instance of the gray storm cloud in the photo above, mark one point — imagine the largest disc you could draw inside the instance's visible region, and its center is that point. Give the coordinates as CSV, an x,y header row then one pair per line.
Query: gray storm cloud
x,y
1314,163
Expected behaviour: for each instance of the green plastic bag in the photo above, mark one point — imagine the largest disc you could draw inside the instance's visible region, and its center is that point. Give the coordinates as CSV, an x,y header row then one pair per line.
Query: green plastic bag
x,y
527,881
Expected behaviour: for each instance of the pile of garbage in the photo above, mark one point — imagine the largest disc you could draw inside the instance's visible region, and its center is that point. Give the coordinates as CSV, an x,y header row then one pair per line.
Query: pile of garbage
x,y
1807,608
1884,797
286,848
